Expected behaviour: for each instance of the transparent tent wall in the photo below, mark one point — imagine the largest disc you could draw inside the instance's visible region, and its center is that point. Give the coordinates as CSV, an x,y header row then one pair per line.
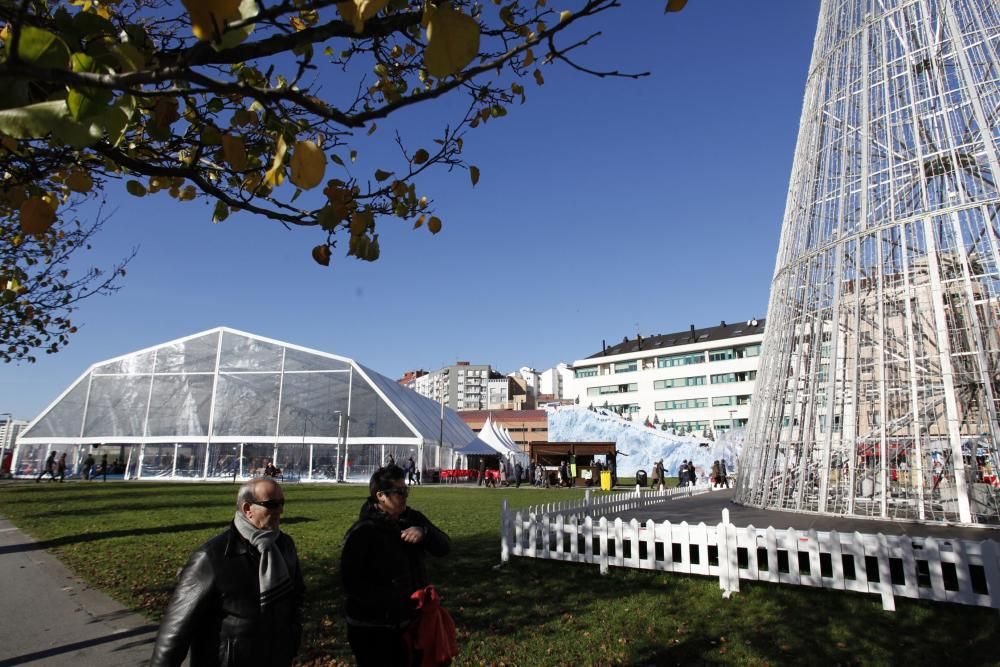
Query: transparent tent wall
x,y
878,388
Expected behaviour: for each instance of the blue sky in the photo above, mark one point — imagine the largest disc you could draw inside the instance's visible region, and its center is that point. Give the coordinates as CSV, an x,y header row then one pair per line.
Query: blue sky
x,y
606,208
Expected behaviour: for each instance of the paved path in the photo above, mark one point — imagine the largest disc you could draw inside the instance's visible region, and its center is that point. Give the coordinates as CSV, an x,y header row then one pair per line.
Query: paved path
x,y
49,617
708,507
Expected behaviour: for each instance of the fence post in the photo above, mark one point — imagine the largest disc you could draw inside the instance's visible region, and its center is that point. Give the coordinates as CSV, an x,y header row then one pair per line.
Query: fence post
x,y
603,537
504,537
587,500
729,569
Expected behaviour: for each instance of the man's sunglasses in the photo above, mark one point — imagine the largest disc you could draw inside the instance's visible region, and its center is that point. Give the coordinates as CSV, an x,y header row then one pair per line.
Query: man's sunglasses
x,y
404,491
269,504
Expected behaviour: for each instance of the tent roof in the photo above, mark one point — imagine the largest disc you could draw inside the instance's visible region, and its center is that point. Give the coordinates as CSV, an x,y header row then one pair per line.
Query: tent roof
x,y
476,448
228,385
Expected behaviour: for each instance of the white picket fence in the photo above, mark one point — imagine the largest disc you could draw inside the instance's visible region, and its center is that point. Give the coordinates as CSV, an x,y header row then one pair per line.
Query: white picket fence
x,y
945,570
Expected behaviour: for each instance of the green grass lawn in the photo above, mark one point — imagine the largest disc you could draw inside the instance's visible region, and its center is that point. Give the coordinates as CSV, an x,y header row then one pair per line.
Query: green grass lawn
x,y
131,538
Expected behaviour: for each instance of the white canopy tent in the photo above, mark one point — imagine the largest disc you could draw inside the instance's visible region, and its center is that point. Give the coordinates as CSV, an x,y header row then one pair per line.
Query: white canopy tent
x,y
219,403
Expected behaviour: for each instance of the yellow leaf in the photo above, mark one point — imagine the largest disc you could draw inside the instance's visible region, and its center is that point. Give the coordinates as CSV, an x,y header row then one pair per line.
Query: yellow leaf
x,y
276,174
308,165
356,12
539,79
474,175
420,156
79,181
565,15
321,254
434,225
208,17
452,40
36,216
675,5
529,58
235,152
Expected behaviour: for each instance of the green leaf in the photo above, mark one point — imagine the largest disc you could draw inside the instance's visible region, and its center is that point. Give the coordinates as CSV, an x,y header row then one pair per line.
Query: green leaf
x,y
231,38
115,118
34,120
86,102
136,188
221,212
40,47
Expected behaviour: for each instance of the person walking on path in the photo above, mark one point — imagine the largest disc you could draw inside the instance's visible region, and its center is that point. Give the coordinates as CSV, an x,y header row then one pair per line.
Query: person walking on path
x,y
518,471
61,467
88,467
239,599
104,467
411,469
383,563
50,467
482,472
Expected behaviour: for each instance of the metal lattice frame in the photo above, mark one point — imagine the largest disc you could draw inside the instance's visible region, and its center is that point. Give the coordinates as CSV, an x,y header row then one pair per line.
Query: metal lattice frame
x,y
879,385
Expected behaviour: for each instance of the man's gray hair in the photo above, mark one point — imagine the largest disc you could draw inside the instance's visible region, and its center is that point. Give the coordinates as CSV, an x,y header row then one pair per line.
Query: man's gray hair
x,y
248,491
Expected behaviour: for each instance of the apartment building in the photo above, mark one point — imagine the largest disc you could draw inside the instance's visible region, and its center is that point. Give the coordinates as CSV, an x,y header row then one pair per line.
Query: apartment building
x,y
463,386
698,380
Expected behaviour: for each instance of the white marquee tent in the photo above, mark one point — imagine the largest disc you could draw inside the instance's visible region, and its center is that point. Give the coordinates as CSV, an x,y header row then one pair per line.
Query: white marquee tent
x,y
219,403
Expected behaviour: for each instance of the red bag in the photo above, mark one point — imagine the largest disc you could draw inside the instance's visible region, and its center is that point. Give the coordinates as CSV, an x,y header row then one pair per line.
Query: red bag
x,y
433,631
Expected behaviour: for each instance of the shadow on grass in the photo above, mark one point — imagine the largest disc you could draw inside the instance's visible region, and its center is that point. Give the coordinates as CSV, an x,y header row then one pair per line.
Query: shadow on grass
x,y
567,613
82,538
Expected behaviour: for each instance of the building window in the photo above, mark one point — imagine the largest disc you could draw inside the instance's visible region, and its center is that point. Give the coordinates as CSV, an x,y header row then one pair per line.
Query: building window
x,y
722,355
612,389
586,372
743,376
723,400
685,404
680,360
748,351
625,366
670,383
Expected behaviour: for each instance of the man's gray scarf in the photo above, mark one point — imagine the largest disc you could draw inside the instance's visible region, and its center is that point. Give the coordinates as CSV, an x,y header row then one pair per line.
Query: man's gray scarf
x,y
275,583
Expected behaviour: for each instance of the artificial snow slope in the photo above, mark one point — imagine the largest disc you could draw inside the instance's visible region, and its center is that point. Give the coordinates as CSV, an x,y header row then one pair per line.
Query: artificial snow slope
x,y
640,446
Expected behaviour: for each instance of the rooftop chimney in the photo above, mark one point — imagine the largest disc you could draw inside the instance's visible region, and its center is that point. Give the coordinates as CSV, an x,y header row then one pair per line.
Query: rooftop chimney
x,y
692,332
723,325
638,338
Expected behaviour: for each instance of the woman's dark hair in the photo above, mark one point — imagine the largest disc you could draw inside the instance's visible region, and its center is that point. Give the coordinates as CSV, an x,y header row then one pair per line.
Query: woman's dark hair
x,y
383,478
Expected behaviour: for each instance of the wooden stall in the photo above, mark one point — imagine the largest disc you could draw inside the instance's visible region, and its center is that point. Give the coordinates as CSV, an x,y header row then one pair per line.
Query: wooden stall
x,y
584,460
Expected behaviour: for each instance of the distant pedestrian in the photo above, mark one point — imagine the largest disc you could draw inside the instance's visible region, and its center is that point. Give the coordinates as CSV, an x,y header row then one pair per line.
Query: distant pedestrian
x,y
723,475
411,468
692,473
61,467
104,467
564,473
518,470
50,467
391,461
88,467
482,472
659,476
503,473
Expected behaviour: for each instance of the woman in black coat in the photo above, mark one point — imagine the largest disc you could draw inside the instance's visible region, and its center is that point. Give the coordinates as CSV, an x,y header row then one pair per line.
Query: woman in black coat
x,y
382,565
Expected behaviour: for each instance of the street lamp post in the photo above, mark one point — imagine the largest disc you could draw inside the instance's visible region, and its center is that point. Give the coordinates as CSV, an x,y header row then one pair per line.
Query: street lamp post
x,y
340,436
732,421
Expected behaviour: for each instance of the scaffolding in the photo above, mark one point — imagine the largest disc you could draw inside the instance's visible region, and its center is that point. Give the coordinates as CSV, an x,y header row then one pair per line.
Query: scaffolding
x,y
878,387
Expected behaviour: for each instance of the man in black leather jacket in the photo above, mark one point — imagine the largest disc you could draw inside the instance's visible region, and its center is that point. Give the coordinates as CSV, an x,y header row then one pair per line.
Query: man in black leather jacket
x,y
239,599
382,564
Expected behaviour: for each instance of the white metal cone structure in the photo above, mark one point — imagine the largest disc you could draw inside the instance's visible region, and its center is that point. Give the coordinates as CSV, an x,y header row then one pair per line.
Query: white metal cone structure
x,y
879,385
